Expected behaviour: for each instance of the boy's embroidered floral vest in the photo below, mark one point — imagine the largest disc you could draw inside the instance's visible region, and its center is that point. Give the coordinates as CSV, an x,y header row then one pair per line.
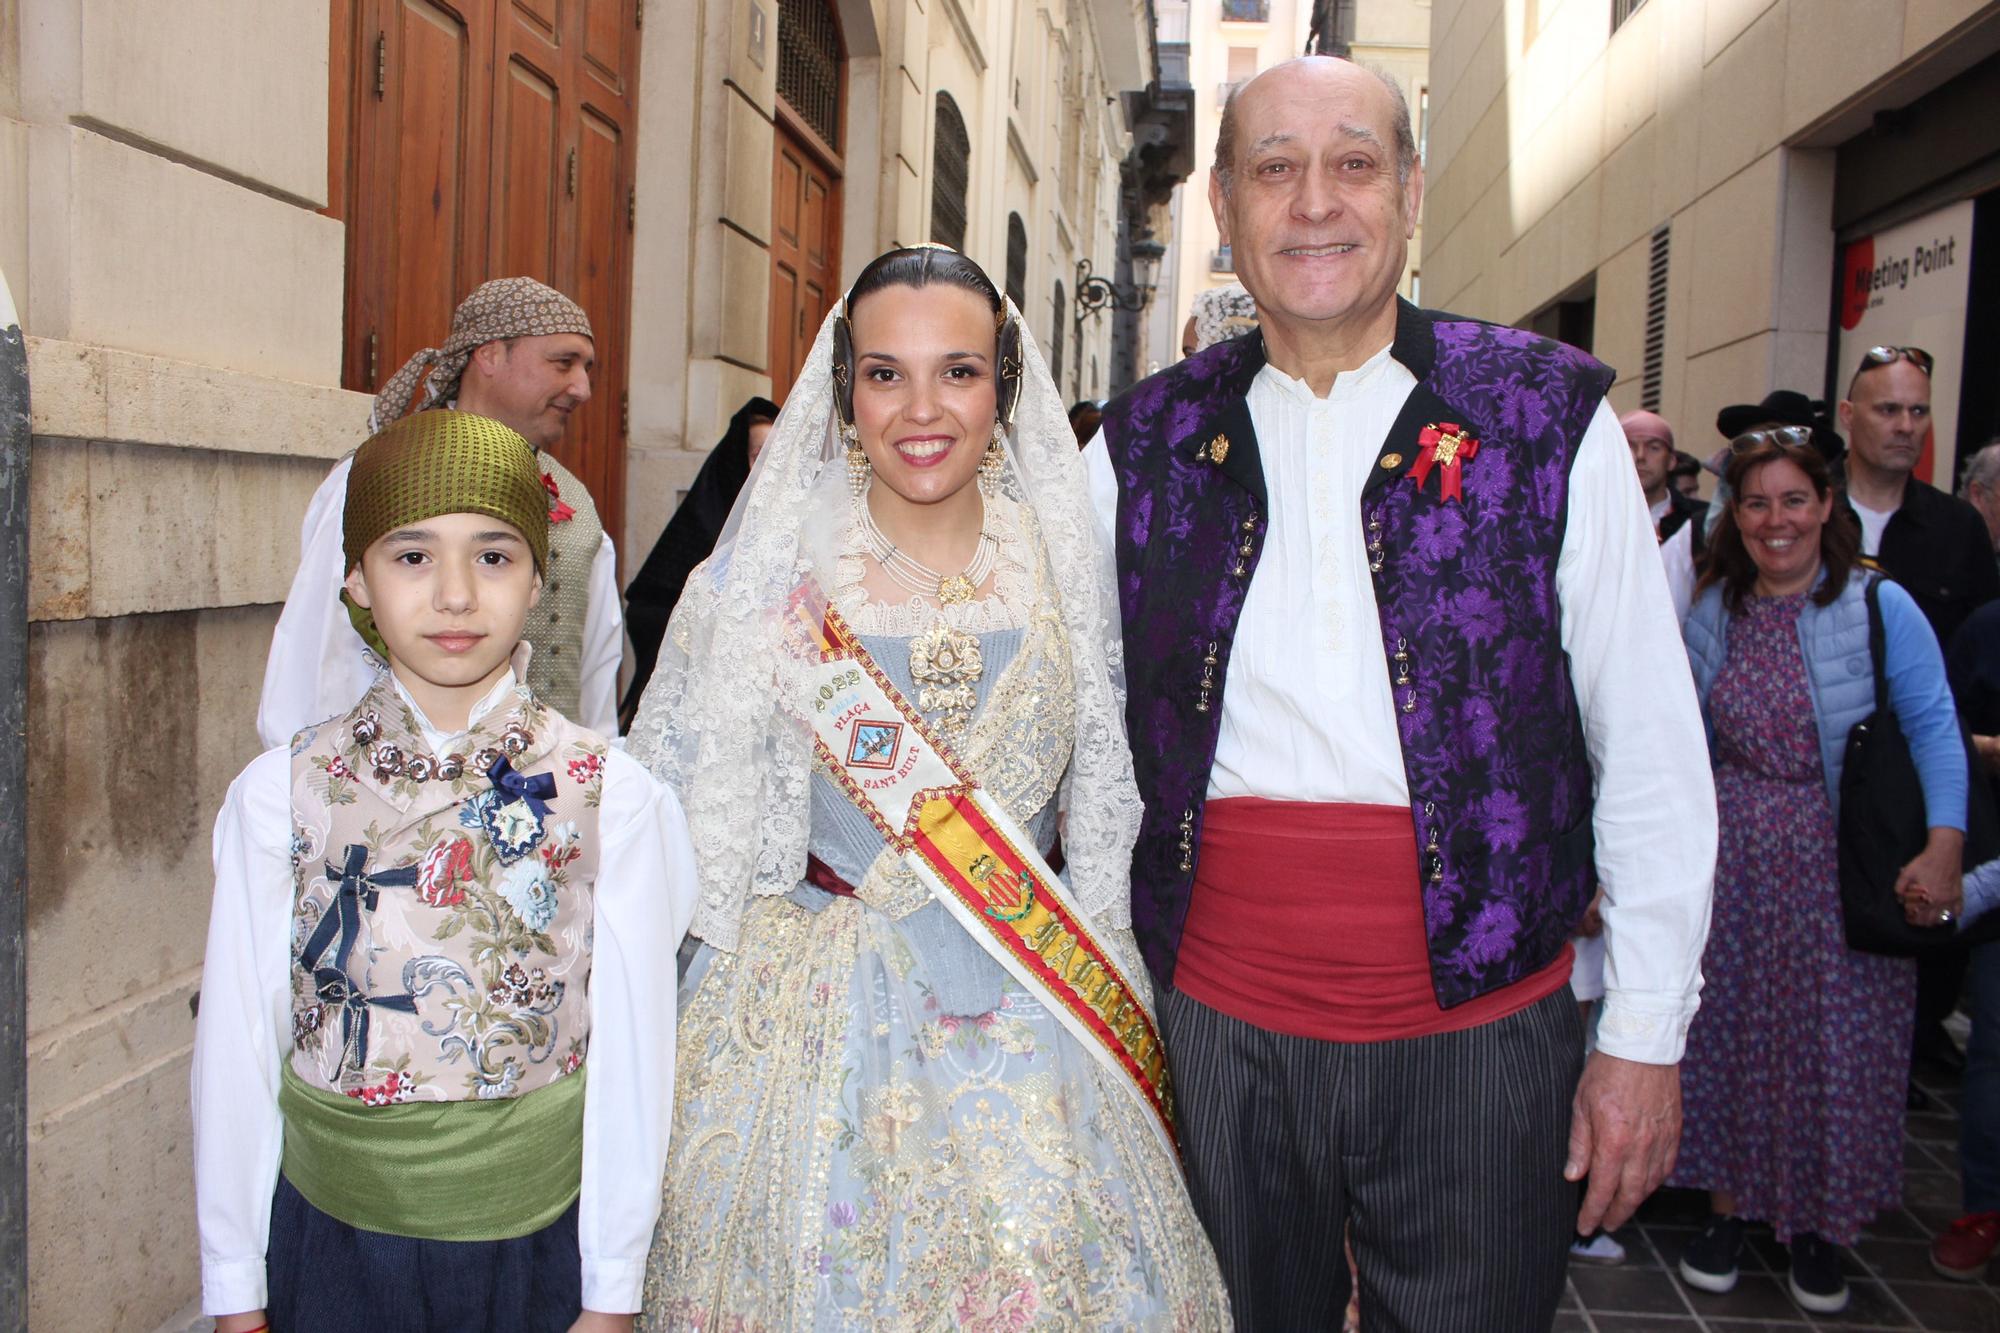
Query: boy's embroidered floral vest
x,y
555,624
1493,751
442,907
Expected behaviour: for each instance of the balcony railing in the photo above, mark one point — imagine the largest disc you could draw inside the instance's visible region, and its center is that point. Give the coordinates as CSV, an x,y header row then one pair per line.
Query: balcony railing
x,y
1246,11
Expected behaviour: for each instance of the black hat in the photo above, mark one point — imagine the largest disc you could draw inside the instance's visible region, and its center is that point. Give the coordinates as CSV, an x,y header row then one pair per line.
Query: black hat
x,y
1784,407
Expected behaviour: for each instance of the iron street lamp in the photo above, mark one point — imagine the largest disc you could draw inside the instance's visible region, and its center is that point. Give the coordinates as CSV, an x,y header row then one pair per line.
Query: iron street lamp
x,y
1094,292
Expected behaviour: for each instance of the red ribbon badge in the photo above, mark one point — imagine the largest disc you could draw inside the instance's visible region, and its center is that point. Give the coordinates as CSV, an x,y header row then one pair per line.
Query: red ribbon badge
x,y
1447,446
558,511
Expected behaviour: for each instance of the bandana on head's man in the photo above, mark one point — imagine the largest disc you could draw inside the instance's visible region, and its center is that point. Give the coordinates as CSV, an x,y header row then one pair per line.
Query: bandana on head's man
x,y
317,668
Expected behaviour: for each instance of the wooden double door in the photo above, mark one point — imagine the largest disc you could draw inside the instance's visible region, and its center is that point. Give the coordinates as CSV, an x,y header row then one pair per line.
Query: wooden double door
x,y
478,139
805,246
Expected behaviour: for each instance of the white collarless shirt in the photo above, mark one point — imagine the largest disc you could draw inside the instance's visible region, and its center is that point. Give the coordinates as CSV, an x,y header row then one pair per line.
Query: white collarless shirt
x,y
1307,713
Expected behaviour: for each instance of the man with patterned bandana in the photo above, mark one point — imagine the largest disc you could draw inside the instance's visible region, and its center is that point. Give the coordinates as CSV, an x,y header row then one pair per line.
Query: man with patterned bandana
x,y
520,353
1405,688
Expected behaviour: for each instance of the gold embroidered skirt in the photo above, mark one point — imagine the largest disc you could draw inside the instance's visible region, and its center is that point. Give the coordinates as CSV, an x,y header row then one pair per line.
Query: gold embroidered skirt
x,y
845,1156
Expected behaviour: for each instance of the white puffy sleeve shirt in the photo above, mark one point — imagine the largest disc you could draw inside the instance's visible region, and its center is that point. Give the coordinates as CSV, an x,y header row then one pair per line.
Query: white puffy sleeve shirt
x,y
320,668
1307,713
643,901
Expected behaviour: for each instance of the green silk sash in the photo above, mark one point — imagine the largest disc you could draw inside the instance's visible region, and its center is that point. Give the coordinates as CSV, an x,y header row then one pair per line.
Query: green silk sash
x,y
472,1170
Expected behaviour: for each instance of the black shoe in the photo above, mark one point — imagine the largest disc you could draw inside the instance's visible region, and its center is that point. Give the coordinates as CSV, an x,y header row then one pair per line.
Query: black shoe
x,y
1709,1262
1935,1048
1816,1281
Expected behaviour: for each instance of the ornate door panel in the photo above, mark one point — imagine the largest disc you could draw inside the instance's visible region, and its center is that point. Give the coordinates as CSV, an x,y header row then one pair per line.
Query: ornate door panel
x,y
489,138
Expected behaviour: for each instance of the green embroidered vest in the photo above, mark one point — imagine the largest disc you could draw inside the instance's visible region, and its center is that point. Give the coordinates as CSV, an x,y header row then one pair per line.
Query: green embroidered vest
x,y
555,625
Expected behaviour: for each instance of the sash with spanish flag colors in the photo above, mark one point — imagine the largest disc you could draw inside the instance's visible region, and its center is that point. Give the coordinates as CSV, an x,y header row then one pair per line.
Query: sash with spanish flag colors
x,y
973,856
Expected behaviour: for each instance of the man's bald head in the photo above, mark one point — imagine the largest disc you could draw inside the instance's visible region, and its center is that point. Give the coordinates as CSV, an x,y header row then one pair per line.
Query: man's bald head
x,y
1650,425
1651,440
1284,77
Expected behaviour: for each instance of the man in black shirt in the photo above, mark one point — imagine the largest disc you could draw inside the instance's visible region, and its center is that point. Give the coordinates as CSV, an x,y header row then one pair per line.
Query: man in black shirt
x,y
1938,548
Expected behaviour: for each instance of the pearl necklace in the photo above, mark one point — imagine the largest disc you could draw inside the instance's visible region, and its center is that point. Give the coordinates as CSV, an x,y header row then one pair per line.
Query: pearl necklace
x,y
920,578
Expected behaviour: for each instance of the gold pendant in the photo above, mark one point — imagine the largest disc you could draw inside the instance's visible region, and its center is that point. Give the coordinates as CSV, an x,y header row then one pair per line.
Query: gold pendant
x,y
954,590
945,662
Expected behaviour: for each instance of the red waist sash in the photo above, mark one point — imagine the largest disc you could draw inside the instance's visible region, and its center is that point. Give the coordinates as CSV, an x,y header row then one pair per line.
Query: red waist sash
x,y
1306,919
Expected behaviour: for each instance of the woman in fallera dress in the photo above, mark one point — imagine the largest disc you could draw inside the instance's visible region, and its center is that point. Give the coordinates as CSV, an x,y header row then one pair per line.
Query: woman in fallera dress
x,y
919,1084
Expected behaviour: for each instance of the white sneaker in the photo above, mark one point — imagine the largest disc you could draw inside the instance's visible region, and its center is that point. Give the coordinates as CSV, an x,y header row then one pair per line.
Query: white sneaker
x,y
1602,1249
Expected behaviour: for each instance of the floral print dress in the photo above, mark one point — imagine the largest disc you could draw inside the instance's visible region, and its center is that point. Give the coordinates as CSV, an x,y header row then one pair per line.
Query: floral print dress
x,y
877,1128
1793,1081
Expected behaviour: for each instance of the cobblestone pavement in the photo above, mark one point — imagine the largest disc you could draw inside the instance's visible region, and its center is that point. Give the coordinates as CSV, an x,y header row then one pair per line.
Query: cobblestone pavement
x,y
1894,1285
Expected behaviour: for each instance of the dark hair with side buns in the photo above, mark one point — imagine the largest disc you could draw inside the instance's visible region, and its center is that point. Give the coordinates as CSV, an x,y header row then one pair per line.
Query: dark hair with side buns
x,y
925,266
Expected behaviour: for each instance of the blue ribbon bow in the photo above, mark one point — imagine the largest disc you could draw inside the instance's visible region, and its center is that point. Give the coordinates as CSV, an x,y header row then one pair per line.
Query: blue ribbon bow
x,y
336,986
535,790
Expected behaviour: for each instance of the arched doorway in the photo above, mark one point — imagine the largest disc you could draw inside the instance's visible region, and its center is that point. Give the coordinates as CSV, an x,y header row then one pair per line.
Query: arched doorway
x,y
805,182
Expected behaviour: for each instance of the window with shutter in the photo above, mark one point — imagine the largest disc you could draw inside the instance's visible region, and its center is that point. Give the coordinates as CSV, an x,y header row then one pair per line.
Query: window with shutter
x,y
951,172
1056,340
1017,261
809,65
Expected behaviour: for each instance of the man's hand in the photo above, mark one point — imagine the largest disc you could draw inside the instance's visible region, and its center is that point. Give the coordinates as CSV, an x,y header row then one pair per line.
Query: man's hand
x,y
591,1321
240,1323
1625,1133
1592,924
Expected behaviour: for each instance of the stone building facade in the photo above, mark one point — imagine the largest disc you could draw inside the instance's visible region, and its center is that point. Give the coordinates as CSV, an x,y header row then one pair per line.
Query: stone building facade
x,y
178,225
1692,188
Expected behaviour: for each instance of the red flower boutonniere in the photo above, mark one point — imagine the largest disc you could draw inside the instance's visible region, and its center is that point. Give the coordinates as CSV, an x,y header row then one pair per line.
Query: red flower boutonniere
x,y
558,511
1446,446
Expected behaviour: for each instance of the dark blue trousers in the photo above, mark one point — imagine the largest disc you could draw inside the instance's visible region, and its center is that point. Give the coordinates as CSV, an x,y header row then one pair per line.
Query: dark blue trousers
x,y
328,1277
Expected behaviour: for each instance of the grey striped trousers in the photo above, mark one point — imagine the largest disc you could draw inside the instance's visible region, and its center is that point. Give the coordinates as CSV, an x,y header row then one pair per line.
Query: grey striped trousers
x,y
1445,1153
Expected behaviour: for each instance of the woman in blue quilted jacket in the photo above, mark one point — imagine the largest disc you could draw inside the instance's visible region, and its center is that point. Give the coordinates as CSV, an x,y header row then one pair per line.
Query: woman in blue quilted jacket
x,y
1795,1068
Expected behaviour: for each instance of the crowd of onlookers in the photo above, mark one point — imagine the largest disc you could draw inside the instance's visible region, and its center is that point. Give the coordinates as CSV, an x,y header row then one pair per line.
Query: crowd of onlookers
x,y
1820,570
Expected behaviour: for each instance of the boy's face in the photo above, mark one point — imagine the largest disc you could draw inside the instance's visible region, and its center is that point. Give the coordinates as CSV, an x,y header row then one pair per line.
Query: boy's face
x,y
449,597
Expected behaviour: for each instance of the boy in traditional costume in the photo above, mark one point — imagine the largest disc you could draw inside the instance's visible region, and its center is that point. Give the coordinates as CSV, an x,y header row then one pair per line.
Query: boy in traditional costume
x,y
428,912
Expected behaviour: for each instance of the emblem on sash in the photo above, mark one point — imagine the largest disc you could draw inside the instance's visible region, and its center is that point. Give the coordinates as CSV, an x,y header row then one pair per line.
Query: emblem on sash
x,y
875,744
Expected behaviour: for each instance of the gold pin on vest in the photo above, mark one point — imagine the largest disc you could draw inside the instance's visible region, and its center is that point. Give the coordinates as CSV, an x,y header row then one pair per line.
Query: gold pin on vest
x,y
1390,462
1215,451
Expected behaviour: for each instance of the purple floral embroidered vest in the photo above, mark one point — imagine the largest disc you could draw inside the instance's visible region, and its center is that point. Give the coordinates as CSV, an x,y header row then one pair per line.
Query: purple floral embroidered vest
x,y
1493,747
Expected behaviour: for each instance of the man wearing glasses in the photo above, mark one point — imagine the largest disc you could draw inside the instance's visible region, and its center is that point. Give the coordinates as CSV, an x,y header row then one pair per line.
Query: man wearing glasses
x,y
1932,543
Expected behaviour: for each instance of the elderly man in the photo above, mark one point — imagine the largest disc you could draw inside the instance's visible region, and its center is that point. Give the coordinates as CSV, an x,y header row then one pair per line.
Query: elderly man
x,y
520,353
1405,687
1980,488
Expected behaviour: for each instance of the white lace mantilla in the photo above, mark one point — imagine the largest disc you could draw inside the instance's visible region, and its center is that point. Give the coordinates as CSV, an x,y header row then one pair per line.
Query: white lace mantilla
x,y
719,725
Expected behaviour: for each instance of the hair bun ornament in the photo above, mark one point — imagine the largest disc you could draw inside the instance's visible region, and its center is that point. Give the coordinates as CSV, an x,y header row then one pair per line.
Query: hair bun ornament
x,y
843,367
1010,370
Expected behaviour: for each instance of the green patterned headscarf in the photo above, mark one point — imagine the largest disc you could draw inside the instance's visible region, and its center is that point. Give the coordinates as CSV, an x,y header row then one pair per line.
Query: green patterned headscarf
x,y
440,462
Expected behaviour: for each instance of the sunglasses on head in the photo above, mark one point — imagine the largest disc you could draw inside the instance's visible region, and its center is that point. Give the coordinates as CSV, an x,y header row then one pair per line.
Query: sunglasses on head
x,y
1787,437
1889,356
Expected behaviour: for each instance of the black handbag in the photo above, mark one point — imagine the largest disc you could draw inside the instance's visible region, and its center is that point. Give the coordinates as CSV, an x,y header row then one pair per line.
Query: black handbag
x,y
1883,826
